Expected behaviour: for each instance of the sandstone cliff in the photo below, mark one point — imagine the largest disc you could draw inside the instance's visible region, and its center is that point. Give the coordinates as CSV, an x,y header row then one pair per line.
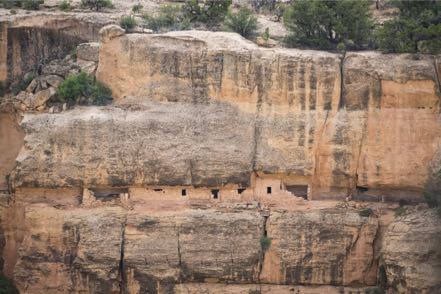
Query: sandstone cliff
x,y
172,188
212,108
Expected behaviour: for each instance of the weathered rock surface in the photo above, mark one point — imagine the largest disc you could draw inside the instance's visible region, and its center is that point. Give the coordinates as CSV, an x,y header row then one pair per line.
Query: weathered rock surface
x,y
192,246
305,114
201,145
412,253
320,247
46,36
100,249
88,51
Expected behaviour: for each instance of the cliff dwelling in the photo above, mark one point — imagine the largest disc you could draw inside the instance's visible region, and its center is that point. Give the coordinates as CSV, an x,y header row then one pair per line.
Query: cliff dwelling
x,y
152,147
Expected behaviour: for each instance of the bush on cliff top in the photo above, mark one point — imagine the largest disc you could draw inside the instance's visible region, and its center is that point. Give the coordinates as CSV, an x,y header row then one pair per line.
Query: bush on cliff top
x,y
169,17
96,4
83,89
127,22
25,4
416,29
242,22
210,12
326,24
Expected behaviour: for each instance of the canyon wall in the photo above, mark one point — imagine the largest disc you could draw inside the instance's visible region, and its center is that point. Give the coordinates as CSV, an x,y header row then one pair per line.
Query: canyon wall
x,y
211,109
28,42
182,184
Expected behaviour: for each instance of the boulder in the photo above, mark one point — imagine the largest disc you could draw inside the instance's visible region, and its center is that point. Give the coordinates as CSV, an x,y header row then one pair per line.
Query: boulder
x,y
88,51
43,96
56,69
110,32
32,86
87,66
53,80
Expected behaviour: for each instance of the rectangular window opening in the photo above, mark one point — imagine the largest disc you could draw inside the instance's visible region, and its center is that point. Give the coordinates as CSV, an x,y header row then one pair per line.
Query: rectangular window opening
x,y
299,190
157,190
215,193
108,194
268,190
183,192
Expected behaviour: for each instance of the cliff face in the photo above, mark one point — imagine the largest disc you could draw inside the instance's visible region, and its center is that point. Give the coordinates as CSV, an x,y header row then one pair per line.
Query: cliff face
x,y
220,108
99,250
179,186
412,253
28,42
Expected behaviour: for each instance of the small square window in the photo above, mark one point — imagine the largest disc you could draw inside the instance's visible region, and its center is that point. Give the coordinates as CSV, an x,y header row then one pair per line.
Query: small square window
x,y
268,190
215,193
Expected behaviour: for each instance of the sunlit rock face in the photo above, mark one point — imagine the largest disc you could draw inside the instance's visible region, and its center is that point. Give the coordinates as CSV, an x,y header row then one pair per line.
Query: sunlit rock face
x,y
208,109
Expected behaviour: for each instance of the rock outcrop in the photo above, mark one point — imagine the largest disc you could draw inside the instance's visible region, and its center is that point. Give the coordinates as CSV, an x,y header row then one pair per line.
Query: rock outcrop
x,y
188,182
105,249
321,120
412,253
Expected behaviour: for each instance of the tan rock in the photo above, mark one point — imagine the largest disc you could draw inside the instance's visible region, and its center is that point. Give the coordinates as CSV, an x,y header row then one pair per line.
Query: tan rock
x,y
266,43
110,32
87,66
88,51
320,248
412,253
32,86
53,80
43,96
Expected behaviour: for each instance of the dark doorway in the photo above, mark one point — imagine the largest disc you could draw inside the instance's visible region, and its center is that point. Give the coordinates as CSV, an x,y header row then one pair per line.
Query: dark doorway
x,y
215,193
108,194
184,192
299,190
269,190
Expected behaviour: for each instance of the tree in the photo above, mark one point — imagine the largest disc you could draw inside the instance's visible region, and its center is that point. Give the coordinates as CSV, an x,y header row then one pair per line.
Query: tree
x,y
324,24
242,22
416,29
210,12
96,4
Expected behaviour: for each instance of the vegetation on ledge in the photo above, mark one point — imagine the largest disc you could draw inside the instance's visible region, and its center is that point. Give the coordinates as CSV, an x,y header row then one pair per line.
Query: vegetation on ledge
x,y
84,89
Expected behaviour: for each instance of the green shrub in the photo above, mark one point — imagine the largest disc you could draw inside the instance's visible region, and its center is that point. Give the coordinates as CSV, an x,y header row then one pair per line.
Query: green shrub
x,y
84,90
169,17
366,212
73,53
254,291
323,24
96,4
266,35
400,211
127,22
65,6
265,243
210,12
242,22
432,188
32,4
382,278
6,286
13,11
137,8
416,29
